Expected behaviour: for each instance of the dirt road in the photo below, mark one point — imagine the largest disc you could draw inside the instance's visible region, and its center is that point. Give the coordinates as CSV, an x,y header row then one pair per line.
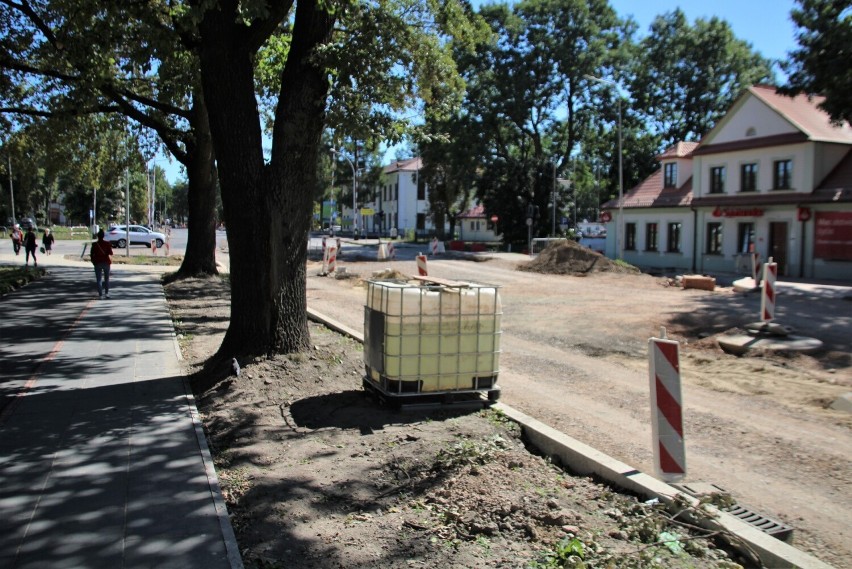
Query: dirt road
x,y
575,357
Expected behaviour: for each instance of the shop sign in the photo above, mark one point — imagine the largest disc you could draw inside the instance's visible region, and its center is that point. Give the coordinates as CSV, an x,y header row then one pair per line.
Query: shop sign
x,y
737,212
833,235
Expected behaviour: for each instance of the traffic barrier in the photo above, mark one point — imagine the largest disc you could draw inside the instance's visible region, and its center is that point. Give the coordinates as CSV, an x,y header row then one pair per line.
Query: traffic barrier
x,y
421,265
391,251
767,298
666,408
329,260
755,267
434,246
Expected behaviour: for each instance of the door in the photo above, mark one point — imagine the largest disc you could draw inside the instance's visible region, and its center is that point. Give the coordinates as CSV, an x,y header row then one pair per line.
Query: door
x,y
778,245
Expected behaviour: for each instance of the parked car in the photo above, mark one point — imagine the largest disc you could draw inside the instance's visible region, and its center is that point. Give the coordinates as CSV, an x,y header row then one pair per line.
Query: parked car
x,y
139,235
28,222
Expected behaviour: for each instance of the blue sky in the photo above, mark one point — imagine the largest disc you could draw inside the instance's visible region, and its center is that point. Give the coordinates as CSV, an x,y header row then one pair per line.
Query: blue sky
x,y
765,24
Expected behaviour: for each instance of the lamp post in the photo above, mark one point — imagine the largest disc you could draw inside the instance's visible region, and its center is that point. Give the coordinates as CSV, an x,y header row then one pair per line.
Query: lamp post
x,y
620,225
354,193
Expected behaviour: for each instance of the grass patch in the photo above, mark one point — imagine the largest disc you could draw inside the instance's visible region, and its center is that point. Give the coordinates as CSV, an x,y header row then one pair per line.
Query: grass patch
x,y
13,278
69,233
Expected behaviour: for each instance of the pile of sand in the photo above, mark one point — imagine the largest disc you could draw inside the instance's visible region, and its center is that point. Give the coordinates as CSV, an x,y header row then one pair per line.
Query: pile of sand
x,y
571,258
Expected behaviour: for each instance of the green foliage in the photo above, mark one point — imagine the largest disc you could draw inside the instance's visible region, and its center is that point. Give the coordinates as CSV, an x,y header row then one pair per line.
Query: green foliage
x,y
821,63
568,552
685,77
12,278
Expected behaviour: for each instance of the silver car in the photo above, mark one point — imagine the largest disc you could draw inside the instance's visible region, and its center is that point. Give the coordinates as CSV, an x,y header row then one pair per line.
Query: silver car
x,y
117,235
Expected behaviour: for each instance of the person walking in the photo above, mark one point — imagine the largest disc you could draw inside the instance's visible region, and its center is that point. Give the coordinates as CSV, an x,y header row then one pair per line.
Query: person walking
x,y
47,242
30,246
101,252
17,239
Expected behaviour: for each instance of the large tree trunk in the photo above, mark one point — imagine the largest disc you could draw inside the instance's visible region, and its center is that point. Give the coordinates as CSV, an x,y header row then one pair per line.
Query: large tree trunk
x,y
200,257
267,207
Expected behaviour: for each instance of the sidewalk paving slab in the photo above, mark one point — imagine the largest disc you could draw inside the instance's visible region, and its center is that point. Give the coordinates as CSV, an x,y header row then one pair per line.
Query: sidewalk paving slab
x,y
103,462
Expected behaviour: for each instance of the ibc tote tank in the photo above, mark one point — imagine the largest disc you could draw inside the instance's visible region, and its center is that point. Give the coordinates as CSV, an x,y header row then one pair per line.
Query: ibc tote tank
x,y
432,338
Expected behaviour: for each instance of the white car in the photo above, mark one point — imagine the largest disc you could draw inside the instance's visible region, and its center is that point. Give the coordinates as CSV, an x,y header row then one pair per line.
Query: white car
x,y
139,235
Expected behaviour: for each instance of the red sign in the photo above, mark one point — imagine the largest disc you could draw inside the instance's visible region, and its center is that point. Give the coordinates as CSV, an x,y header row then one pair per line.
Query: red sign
x,y
803,213
494,219
833,235
737,212
606,217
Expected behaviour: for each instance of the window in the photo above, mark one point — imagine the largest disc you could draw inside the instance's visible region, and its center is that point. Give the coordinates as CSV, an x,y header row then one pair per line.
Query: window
x,y
630,236
714,238
673,244
421,188
748,177
650,236
745,237
782,178
717,180
670,175
421,221
396,191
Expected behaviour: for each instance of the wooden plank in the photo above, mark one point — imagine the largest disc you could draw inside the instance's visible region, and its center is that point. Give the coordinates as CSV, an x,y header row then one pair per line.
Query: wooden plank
x,y
436,280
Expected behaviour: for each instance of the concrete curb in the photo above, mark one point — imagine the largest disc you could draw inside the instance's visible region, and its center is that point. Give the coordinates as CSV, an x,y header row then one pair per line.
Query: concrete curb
x,y
583,459
228,537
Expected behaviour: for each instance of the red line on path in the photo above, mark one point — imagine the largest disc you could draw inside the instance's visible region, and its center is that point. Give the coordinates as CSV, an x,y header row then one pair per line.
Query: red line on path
x,y
7,410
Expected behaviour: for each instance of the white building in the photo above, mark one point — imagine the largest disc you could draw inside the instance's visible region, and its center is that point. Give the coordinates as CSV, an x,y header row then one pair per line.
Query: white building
x,y
401,201
774,177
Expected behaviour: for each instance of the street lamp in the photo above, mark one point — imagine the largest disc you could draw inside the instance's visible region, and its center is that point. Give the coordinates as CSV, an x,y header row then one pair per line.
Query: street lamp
x,y
354,193
620,224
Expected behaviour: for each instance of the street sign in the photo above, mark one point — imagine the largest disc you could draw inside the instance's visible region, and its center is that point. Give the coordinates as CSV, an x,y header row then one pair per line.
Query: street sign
x,y
529,222
367,211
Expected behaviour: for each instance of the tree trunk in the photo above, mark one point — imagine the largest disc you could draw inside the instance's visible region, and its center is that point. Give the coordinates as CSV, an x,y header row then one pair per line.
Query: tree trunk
x,y
200,257
267,207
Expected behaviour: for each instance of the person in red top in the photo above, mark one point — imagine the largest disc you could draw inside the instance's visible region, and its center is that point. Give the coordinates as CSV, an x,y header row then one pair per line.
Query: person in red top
x,y
101,252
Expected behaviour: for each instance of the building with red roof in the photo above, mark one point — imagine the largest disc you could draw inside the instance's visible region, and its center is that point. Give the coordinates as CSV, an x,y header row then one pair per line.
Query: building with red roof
x,y
772,178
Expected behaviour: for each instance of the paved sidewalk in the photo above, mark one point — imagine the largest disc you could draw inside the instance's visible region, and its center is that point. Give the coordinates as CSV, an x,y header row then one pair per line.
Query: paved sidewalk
x,y
103,463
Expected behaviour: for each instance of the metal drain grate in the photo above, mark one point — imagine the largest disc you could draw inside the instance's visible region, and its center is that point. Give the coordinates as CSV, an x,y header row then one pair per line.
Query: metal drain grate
x,y
764,523
774,528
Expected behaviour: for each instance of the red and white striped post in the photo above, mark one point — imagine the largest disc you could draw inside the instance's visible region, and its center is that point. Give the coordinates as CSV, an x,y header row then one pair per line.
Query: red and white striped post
x,y
666,408
767,298
421,265
329,262
434,246
755,267
391,250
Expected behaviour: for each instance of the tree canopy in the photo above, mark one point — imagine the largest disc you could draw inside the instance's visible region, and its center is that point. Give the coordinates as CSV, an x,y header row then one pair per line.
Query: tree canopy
x,y
820,66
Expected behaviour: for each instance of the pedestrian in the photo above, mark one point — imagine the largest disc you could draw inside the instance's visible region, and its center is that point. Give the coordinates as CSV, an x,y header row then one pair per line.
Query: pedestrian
x,y
101,252
17,239
30,245
47,242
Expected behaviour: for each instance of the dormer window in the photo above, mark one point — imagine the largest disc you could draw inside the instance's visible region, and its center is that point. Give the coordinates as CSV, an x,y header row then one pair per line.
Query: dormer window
x,y
670,175
751,131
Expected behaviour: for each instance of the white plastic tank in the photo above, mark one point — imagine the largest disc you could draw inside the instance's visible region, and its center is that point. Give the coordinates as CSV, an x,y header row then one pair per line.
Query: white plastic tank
x,y
428,338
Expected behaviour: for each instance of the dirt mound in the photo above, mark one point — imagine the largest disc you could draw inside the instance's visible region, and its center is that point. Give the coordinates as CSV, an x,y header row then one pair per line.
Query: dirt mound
x,y
571,258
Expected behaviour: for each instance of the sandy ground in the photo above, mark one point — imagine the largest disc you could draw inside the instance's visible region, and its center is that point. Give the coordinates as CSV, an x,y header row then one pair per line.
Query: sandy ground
x,y
316,475
575,357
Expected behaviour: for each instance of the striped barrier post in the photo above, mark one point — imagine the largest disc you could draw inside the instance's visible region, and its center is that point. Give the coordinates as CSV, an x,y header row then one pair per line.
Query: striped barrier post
x,y
329,262
421,265
666,408
755,267
767,298
434,246
391,250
